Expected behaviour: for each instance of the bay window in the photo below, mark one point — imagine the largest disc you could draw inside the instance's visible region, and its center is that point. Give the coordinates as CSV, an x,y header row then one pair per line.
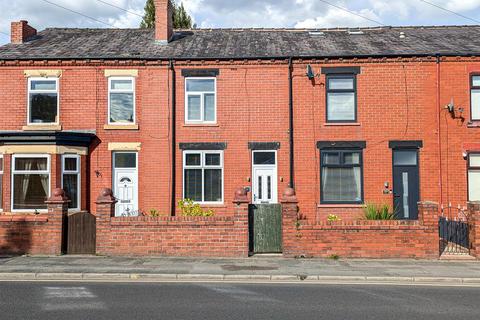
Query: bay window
x,y
30,181
203,176
200,100
474,177
43,101
121,100
71,180
341,176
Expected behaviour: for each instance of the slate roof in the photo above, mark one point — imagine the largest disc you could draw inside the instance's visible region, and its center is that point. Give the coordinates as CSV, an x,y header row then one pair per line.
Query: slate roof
x,y
247,43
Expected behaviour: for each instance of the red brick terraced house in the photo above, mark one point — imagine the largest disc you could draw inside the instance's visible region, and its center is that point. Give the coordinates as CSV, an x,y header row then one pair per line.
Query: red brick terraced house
x,y
345,117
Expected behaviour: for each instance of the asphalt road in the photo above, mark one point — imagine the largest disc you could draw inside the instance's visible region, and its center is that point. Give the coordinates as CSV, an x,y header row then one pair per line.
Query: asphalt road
x,y
95,301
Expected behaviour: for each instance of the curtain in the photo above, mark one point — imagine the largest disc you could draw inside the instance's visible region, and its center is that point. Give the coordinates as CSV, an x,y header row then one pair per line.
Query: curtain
x,y
358,182
26,178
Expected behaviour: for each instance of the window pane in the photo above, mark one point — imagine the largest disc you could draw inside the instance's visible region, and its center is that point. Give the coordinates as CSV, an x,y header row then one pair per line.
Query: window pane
x,y
212,159
209,105
405,158
30,191
474,185
194,108
31,164
476,104
213,185
1,164
201,85
331,158
476,81
1,191
193,184
43,107
193,159
340,84
341,106
475,160
70,185
263,158
121,107
351,158
43,85
341,184
125,160
122,84
70,164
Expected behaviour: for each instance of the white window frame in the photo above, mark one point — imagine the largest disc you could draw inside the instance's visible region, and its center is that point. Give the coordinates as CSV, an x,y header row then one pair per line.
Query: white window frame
x,y
29,103
15,156
203,167
471,169
78,173
133,90
1,182
202,101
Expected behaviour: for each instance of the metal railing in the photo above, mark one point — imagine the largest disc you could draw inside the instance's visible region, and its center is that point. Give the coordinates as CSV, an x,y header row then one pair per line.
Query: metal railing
x,y
454,227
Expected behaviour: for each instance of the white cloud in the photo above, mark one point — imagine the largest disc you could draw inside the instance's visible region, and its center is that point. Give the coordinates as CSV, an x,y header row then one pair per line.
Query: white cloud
x,y
339,18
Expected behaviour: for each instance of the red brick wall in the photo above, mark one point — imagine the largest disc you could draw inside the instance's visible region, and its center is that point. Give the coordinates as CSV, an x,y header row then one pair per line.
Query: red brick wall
x,y
361,239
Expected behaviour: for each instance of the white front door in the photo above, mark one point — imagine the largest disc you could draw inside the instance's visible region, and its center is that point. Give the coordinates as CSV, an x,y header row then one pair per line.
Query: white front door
x,y
264,184
125,184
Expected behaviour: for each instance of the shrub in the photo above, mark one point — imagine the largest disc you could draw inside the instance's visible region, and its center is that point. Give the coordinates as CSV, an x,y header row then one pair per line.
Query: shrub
x,y
378,212
154,213
333,217
191,209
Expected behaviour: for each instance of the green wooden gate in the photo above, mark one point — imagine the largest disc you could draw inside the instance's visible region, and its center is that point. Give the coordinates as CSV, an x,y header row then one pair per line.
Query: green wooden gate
x,y
266,228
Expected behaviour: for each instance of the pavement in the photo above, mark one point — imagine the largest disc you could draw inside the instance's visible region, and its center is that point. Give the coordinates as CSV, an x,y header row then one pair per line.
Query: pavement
x,y
234,301
254,269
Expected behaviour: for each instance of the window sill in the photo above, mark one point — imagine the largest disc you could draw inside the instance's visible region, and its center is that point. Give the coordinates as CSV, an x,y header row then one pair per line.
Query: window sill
x,y
201,125
121,127
43,127
340,205
335,124
473,124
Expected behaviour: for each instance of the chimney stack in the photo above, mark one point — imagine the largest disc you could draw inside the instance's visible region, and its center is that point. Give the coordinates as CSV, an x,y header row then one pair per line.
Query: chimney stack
x,y
21,32
163,21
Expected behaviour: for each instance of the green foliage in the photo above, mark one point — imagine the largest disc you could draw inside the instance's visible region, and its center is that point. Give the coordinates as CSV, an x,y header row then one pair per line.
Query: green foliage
x,y
181,19
191,209
334,256
154,213
333,217
378,212
148,21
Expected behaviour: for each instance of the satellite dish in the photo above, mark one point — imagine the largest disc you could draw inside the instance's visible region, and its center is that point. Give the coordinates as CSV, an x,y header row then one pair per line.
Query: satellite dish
x,y
451,106
310,72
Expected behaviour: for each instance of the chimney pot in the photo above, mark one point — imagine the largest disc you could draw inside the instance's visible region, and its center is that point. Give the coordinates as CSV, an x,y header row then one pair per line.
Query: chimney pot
x,y
163,21
21,32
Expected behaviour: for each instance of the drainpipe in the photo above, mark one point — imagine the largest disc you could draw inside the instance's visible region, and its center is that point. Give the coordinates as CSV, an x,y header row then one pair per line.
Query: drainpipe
x,y
292,150
174,139
439,138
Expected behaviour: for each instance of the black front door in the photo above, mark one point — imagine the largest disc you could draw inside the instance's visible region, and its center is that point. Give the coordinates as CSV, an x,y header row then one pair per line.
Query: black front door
x,y
406,186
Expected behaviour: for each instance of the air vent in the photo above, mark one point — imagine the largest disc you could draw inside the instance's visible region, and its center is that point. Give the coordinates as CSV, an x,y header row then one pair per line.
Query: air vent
x,y
316,33
354,32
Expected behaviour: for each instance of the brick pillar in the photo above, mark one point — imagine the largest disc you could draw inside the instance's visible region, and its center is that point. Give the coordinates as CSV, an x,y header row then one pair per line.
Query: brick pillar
x,y
474,226
428,216
57,206
105,210
289,222
240,217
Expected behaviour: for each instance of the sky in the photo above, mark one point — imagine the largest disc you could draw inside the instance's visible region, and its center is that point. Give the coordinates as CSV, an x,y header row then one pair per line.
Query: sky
x,y
241,13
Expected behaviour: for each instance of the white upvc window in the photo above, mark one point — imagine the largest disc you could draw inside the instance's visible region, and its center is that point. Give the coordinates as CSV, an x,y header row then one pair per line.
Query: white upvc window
x,y
71,182
121,100
43,101
474,177
203,176
30,182
1,182
200,100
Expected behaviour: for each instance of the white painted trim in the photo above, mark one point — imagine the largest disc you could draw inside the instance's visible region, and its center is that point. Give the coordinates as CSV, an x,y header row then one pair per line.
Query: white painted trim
x,y
202,167
78,172
134,90
202,101
29,91
48,171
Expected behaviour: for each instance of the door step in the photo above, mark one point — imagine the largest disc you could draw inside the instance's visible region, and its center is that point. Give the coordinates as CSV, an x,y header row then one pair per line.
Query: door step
x,y
267,255
463,256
